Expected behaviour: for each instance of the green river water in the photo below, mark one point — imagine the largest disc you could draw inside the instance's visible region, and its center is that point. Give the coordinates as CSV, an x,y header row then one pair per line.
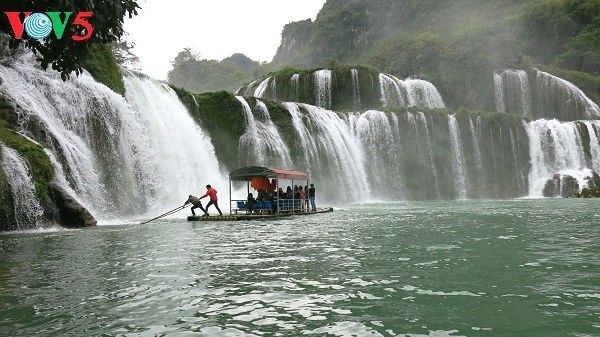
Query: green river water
x,y
448,268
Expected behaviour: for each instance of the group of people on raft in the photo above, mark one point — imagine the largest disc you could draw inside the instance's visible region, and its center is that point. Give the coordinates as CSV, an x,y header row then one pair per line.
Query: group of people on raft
x,y
303,194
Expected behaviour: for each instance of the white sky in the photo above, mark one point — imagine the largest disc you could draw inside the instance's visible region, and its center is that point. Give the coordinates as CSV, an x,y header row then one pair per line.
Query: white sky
x,y
214,28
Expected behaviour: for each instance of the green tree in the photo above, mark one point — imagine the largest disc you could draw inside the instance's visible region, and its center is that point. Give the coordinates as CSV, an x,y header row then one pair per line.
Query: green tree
x,y
66,55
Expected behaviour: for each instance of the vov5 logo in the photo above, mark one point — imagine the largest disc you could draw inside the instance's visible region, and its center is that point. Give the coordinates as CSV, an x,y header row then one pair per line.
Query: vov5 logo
x,y
39,25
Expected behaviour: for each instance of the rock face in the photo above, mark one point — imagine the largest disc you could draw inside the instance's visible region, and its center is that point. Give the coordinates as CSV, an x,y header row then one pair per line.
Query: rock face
x,y
561,186
69,212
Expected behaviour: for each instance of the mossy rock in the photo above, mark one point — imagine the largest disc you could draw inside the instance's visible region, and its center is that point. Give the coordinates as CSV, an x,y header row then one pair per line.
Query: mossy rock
x,y
221,115
101,64
41,167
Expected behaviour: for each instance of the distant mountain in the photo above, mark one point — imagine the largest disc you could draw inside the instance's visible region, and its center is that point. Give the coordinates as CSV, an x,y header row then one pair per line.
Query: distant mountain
x,y
455,44
196,74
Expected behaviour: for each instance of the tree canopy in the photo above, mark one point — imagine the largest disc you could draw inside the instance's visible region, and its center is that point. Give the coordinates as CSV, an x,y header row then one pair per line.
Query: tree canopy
x,y
192,72
66,55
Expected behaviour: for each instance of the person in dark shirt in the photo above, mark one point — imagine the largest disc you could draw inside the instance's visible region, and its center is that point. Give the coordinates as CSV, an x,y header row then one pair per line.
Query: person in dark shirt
x,y
311,197
251,203
196,204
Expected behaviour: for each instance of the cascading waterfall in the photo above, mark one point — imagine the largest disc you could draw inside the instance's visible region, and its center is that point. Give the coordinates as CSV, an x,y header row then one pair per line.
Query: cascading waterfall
x,y
423,121
333,154
262,139
594,145
259,92
380,142
458,160
556,148
410,92
516,161
477,151
355,88
390,91
560,98
512,92
295,86
121,158
323,88
28,211
499,93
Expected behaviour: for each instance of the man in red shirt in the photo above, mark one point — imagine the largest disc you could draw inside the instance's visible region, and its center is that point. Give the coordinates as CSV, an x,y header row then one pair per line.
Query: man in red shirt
x,y
212,193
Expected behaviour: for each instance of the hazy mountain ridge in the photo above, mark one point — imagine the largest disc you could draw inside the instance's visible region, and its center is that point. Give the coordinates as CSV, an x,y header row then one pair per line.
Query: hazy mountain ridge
x,y
455,44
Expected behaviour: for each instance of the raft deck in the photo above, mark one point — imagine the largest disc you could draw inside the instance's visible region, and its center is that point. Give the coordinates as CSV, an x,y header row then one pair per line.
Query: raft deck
x,y
237,217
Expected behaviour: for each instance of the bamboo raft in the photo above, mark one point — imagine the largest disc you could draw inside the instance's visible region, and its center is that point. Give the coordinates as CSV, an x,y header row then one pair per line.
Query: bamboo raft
x,y
238,217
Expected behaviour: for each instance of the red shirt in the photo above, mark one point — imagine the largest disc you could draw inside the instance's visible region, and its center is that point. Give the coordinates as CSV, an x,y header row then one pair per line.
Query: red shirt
x,y
212,193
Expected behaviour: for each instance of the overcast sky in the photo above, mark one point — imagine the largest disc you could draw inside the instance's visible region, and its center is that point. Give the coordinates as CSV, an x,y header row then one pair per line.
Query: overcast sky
x,y
214,28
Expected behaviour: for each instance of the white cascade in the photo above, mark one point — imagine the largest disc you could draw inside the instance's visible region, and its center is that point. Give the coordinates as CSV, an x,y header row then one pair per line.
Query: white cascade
x,y
355,88
594,145
322,82
423,121
562,96
296,86
121,158
478,159
499,93
409,92
278,153
28,211
516,162
261,144
458,160
259,92
380,142
333,154
556,148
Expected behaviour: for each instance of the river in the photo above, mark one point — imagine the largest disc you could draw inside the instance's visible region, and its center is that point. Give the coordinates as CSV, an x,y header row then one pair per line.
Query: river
x,y
436,268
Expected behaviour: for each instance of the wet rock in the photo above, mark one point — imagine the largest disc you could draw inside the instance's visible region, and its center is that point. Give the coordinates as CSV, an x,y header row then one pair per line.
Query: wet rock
x,y
561,186
69,212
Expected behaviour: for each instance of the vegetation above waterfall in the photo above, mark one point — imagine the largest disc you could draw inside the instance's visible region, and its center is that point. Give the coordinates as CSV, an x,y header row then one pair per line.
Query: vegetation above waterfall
x,y
220,114
192,72
100,62
454,44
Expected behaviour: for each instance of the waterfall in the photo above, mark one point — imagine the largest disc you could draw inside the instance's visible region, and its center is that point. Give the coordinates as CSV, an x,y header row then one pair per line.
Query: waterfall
x,y
390,92
334,155
28,211
120,157
556,148
380,142
499,93
594,145
295,86
423,121
458,160
516,161
259,92
478,159
248,89
560,98
323,88
410,92
512,92
355,88
262,139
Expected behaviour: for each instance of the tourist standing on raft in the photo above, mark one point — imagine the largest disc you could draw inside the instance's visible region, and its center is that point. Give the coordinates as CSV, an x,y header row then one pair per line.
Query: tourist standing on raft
x,y
212,193
196,204
311,197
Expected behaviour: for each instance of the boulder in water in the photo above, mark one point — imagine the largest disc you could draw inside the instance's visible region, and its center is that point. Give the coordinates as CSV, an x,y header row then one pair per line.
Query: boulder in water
x,y
561,186
70,213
